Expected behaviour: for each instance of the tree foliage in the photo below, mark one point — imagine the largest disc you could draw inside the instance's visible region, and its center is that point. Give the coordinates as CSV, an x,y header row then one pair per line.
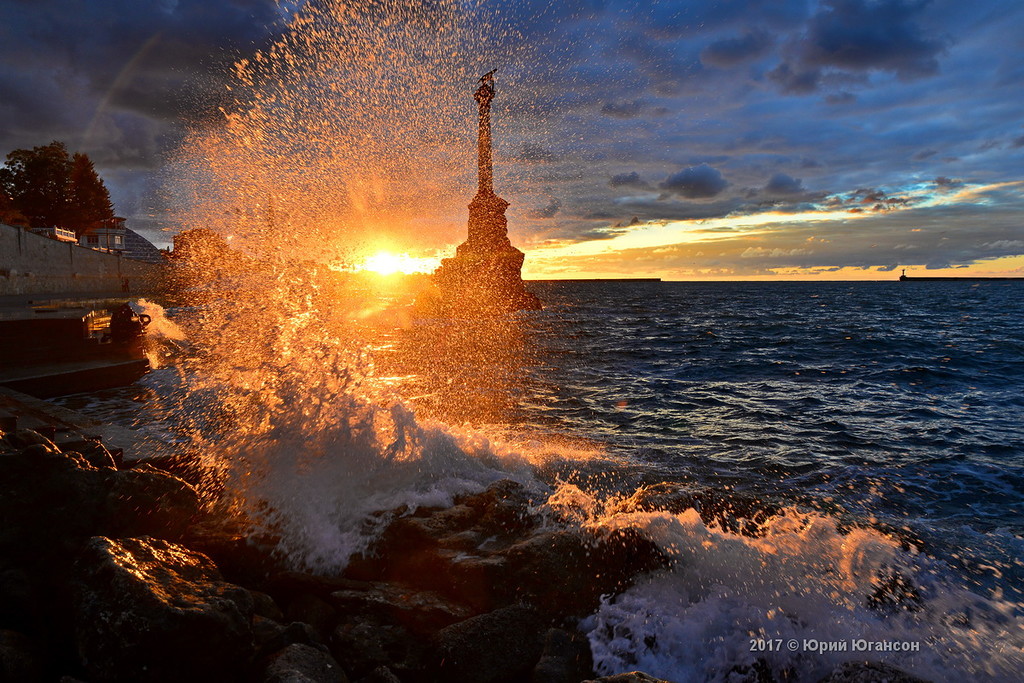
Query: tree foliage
x,y
50,187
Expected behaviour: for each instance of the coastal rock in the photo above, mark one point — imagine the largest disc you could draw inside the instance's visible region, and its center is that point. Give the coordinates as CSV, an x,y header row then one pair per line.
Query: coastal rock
x,y
69,500
310,609
271,637
17,599
241,556
94,452
381,674
566,658
497,647
631,677
422,612
265,606
19,658
151,610
63,498
869,672
503,506
566,572
299,663
733,512
146,501
363,645
487,552
28,437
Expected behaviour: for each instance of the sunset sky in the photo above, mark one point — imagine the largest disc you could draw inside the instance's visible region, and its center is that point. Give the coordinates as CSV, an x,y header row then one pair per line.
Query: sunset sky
x,y
768,139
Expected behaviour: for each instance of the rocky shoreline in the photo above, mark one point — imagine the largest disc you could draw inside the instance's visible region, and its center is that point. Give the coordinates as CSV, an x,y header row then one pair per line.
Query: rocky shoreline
x,y
125,573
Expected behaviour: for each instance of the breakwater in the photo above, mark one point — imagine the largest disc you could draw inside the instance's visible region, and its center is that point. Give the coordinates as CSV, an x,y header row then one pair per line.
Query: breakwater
x,y
33,264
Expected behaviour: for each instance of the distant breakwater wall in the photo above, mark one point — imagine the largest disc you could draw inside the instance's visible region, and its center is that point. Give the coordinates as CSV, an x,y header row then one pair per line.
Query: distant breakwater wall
x,y
33,264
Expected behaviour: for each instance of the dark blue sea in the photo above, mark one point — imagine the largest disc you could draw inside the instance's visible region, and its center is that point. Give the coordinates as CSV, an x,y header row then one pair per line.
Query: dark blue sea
x,y
872,429
902,401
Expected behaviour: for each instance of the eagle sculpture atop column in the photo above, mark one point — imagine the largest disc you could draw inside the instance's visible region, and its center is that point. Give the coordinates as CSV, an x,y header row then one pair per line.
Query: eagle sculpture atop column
x,y
485,275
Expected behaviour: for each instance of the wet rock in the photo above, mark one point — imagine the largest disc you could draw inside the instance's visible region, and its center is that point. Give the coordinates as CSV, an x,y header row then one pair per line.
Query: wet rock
x,y
45,494
299,663
265,606
503,507
363,645
758,672
19,658
895,592
188,467
381,674
151,610
566,572
500,646
734,512
422,612
242,556
148,502
631,677
17,599
869,672
94,452
566,658
70,501
296,632
28,437
266,634
309,609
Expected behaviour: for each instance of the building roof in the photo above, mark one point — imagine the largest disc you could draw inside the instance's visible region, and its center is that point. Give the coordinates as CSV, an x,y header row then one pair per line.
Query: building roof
x,y
139,248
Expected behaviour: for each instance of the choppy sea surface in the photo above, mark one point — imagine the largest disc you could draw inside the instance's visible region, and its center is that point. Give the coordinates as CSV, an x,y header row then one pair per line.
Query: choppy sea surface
x,y
883,418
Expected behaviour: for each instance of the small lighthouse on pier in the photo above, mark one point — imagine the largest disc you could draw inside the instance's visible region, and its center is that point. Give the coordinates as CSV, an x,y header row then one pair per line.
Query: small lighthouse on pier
x,y
485,275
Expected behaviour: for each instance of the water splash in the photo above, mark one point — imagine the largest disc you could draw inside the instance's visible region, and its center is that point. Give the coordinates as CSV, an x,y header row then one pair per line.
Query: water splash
x,y
797,582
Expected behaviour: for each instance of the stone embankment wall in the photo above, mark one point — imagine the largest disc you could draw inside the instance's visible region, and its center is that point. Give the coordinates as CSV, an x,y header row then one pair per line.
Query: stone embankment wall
x,y
33,264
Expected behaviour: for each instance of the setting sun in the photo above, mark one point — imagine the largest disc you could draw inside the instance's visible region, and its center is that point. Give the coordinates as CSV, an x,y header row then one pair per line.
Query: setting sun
x,y
389,263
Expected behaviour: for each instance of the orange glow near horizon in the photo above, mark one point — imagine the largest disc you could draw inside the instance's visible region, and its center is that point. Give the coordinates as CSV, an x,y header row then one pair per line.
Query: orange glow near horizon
x,y
391,263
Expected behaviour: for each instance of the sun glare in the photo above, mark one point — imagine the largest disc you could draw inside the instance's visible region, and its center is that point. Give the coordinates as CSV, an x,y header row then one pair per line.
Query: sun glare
x,y
389,263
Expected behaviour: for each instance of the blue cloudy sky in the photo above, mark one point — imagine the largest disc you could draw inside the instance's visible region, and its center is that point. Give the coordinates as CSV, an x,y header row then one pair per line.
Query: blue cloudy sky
x,y
729,138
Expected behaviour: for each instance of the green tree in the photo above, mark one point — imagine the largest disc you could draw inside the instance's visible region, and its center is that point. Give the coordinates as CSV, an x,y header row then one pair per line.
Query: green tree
x,y
49,187
89,200
9,215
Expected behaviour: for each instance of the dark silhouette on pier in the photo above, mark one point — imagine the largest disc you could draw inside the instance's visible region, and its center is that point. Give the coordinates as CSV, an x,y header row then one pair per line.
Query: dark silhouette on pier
x,y
485,275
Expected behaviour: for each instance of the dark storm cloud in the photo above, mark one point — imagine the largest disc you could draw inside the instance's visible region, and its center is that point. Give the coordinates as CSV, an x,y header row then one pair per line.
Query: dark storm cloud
x,y
623,110
598,98
872,34
119,80
547,211
732,51
795,81
696,182
784,185
631,179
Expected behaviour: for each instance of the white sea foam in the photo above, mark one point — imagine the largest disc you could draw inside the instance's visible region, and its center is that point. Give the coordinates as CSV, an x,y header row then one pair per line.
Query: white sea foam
x,y
801,584
327,491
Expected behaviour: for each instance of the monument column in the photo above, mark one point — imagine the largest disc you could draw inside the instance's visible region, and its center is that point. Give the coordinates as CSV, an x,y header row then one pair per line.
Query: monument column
x,y
483,96
485,275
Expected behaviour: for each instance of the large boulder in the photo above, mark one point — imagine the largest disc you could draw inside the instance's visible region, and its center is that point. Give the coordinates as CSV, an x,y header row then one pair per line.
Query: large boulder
x,y
58,498
489,551
870,672
566,658
151,610
502,646
300,663
565,572
19,658
630,677
147,502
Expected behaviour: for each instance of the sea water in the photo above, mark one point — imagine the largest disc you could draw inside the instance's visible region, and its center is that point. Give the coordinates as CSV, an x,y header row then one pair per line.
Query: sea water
x,y
878,422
